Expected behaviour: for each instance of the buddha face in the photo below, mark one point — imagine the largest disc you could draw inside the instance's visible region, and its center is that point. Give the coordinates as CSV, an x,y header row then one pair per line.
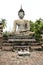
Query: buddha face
x,y
21,15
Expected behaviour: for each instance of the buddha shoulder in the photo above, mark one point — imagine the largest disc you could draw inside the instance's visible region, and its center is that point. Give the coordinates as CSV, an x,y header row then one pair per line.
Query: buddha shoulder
x,y
21,20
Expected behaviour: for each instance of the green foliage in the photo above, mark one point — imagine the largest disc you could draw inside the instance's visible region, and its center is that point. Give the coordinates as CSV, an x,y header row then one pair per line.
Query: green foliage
x,y
36,27
32,26
3,23
37,30
6,34
41,25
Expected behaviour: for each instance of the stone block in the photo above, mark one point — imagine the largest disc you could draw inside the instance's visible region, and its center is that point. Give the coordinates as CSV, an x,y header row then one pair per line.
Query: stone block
x,y
7,48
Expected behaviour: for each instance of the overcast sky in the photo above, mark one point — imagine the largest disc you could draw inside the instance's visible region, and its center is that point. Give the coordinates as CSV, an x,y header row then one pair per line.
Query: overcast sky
x,y
9,10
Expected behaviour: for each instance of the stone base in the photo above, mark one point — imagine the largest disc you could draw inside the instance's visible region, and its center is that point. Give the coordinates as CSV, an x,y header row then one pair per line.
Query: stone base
x,y
7,48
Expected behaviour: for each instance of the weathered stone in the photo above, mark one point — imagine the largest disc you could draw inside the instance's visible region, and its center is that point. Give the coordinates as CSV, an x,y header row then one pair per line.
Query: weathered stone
x,y
7,48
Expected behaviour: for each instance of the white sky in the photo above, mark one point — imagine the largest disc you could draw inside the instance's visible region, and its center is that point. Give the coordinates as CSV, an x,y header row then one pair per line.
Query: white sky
x,y
9,10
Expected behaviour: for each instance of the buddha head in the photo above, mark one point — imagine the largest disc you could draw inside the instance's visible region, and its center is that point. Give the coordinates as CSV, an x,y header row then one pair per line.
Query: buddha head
x,y
21,13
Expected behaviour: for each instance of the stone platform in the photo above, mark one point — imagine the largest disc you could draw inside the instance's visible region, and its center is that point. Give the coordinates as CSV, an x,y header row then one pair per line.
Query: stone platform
x,y
12,58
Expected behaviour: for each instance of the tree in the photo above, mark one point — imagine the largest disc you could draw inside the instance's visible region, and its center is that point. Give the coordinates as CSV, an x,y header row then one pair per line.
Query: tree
x,y
37,30
5,34
3,23
32,26
42,24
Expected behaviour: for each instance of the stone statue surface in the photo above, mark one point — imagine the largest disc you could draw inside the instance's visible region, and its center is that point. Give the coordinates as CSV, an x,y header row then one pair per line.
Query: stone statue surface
x,y
21,26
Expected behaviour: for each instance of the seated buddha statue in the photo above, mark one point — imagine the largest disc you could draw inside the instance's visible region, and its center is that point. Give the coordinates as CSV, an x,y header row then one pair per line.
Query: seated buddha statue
x,y
21,26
